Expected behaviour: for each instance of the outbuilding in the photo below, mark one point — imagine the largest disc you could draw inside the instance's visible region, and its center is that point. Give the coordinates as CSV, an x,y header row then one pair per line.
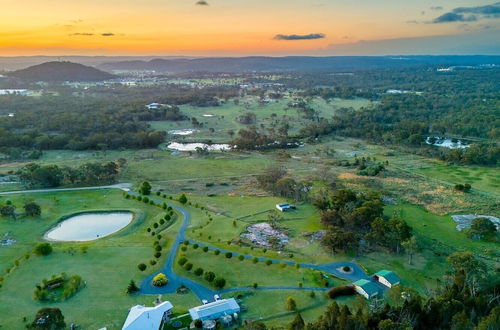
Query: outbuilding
x,y
366,288
215,310
285,207
387,278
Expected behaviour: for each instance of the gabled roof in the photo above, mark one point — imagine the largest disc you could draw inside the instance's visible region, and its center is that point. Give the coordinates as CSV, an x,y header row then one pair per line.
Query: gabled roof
x,y
368,286
216,307
391,277
146,318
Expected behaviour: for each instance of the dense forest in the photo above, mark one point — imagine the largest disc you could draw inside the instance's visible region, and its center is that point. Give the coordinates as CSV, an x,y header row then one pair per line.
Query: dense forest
x,y
100,118
463,102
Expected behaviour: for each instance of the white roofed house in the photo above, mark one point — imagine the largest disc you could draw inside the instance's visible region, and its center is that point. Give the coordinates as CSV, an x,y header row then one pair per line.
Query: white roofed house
x,y
148,318
215,310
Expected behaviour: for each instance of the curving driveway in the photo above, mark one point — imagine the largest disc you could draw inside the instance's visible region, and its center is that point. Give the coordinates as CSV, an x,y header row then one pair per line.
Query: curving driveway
x,y
201,291
205,293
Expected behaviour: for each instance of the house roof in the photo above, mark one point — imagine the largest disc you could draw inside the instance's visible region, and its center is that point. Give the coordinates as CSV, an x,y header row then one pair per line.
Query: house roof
x,y
391,277
146,318
216,307
368,286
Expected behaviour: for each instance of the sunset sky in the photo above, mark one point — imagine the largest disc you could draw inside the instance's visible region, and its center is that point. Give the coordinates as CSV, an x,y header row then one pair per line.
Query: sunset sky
x,y
248,27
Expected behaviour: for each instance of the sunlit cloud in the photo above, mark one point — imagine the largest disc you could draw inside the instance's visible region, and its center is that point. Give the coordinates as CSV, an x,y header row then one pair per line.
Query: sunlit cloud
x,y
292,37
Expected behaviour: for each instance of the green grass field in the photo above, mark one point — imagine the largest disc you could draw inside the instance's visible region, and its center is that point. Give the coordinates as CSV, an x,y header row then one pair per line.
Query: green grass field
x,y
224,117
107,267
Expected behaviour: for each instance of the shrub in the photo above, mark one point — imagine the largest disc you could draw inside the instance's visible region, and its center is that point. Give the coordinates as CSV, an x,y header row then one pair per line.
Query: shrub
x,y
209,276
268,262
142,267
158,237
148,230
198,271
132,287
205,249
157,255
346,269
188,266
341,291
145,188
152,262
182,199
43,249
182,261
291,305
312,294
155,225
162,221
184,248
255,260
216,252
160,280
32,209
241,257
185,242
255,285
219,283
52,319
195,246
145,200
229,255
158,248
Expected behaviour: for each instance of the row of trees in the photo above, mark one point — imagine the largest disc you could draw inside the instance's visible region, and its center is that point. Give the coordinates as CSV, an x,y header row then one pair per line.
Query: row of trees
x,y
47,176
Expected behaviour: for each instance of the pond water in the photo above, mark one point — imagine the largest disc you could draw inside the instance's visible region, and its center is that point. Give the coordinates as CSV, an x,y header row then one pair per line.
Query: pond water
x,y
182,131
89,226
447,143
193,146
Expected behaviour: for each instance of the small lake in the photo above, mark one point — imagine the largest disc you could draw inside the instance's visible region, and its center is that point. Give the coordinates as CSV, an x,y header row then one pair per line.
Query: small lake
x,y
89,226
447,143
192,146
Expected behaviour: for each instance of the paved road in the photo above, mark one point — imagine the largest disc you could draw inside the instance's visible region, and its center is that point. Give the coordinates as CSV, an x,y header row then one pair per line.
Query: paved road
x,y
121,186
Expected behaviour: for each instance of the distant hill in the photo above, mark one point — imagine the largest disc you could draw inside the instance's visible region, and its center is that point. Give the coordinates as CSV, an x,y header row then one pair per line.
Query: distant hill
x,y
61,71
293,63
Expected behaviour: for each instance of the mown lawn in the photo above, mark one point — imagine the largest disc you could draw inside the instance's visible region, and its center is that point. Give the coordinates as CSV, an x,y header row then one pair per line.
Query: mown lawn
x,y
270,306
243,273
107,267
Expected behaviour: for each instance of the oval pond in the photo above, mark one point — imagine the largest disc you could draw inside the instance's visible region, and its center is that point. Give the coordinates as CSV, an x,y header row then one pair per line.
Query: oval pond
x,y
89,226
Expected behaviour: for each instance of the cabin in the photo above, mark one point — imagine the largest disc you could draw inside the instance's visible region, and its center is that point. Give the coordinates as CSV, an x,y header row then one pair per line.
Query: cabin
x,y
215,310
148,318
387,278
366,288
283,207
